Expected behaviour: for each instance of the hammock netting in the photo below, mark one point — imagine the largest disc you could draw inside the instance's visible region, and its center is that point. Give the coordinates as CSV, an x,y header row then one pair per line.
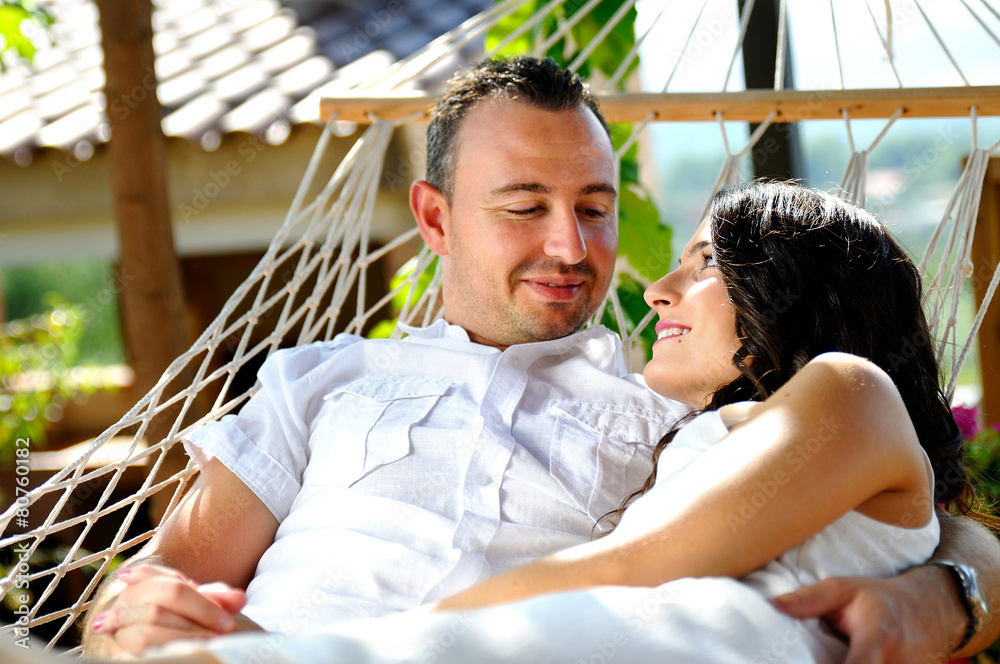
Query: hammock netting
x,y
313,280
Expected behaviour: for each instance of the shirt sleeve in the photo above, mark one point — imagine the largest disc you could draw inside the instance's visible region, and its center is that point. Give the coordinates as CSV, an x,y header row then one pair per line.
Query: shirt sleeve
x,y
267,444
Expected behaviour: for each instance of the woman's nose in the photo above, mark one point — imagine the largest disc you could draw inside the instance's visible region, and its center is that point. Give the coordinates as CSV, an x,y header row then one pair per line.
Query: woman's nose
x,y
661,291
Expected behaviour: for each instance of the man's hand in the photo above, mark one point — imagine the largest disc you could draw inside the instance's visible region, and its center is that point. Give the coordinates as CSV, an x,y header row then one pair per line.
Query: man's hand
x,y
916,617
157,604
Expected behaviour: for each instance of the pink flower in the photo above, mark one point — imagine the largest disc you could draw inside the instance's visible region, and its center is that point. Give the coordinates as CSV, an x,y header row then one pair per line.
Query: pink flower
x,y
967,420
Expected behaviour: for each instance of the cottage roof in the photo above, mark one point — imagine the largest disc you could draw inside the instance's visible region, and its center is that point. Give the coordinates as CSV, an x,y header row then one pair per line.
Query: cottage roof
x,y
223,66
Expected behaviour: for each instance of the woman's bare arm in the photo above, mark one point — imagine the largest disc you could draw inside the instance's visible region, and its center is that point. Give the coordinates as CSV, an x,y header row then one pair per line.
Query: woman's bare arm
x,y
835,438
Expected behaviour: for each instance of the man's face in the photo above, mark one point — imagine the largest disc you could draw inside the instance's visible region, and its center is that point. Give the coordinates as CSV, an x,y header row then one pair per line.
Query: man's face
x,y
531,235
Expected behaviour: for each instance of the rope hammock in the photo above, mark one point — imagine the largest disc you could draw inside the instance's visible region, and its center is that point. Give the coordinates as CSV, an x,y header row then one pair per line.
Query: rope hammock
x,y
312,281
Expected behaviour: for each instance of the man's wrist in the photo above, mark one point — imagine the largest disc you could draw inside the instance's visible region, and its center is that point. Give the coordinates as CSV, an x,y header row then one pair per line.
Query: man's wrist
x,y
965,581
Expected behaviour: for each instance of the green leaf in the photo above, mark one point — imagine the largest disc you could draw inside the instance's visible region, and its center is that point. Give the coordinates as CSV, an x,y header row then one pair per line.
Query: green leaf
x,y
634,308
609,55
412,294
642,239
11,18
383,329
523,43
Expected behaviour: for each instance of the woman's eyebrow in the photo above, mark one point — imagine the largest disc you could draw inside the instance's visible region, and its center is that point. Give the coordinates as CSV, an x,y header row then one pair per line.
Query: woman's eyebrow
x,y
697,247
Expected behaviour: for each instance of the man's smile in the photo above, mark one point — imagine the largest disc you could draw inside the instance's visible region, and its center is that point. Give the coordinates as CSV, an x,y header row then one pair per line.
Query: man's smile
x,y
561,289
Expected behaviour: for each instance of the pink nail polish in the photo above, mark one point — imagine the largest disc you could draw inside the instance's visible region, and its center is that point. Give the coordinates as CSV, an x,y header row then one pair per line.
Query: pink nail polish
x,y
122,575
97,623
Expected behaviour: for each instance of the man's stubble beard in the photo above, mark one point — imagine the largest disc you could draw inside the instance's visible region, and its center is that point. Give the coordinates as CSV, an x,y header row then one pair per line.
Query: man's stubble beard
x,y
513,324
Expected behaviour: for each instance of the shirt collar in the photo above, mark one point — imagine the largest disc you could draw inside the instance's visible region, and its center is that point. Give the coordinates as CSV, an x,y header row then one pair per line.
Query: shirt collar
x,y
439,329
601,346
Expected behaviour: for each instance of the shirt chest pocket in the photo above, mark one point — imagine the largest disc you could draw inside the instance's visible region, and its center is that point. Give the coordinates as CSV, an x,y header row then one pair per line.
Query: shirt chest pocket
x,y
366,424
599,454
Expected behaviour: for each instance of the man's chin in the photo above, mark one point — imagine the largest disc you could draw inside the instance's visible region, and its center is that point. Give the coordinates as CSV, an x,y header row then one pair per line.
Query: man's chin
x,y
542,329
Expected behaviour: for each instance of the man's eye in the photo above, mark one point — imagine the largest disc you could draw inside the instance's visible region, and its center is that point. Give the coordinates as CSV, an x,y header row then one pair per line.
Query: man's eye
x,y
523,212
591,213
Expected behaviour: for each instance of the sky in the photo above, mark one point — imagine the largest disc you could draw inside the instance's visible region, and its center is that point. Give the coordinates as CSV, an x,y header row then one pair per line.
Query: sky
x,y
919,59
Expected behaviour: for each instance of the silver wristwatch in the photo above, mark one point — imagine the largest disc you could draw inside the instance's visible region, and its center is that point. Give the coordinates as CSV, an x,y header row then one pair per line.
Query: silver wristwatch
x,y
972,595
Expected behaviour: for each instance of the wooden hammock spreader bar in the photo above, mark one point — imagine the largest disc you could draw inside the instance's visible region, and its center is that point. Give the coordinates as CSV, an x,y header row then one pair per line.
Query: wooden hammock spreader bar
x,y
749,106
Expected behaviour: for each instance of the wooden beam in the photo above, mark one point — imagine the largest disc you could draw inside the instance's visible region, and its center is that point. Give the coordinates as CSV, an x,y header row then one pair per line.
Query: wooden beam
x,y
985,256
749,106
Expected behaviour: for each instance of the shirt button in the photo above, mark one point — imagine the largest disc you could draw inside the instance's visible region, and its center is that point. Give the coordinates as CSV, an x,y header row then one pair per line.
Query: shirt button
x,y
483,479
496,418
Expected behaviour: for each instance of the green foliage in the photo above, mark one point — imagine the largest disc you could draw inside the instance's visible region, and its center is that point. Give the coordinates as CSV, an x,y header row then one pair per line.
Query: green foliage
x,y
410,294
45,558
34,355
13,14
634,307
605,58
982,459
90,284
982,456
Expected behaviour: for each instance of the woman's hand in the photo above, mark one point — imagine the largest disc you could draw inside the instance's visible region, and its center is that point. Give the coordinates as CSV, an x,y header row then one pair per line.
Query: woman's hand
x,y
156,604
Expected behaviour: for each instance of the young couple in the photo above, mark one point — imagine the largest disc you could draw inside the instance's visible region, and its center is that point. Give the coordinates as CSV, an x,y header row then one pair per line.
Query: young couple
x,y
814,449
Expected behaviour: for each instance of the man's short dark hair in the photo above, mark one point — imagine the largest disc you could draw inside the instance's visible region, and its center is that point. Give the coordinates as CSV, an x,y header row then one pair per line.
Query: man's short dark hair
x,y
533,81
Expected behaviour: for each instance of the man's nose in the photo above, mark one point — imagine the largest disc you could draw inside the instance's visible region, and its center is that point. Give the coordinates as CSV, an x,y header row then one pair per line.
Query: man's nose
x,y
565,238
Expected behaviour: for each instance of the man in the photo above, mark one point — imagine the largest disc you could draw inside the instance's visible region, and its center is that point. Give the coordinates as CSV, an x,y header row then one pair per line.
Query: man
x,y
369,477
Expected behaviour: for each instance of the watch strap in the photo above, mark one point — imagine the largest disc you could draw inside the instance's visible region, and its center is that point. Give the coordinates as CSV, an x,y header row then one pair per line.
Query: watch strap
x,y
968,592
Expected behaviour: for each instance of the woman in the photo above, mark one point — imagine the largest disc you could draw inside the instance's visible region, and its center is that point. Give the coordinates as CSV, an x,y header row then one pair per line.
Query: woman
x,y
815,454
820,441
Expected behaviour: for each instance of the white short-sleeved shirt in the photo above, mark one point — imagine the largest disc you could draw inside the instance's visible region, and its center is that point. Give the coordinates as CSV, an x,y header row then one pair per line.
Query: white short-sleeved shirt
x,y
405,471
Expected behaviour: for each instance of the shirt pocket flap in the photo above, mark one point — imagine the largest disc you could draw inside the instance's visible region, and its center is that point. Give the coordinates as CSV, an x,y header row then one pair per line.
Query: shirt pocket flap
x,y
391,388
620,424
600,452
379,413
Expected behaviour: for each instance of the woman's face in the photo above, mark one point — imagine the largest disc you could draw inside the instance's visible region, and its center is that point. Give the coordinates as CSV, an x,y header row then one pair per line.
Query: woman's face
x,y
696,332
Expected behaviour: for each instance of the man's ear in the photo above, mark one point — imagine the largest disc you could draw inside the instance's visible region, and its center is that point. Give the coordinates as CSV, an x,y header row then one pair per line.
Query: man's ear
x,y
431,211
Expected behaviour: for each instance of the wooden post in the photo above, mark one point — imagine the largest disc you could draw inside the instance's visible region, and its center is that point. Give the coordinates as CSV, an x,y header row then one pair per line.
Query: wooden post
x,y
151,298
776,154
985,256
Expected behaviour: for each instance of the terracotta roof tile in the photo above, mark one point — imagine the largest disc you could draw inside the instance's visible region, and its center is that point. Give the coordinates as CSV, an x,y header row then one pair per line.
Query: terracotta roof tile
x,y
268,33
18,130
241,83
15,102
289,52
179,89
257,113
305,76
72,128
223,66
195,117
224,62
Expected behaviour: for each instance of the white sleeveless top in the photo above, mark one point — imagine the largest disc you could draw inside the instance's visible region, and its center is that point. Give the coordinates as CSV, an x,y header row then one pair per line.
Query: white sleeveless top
x,y
853,545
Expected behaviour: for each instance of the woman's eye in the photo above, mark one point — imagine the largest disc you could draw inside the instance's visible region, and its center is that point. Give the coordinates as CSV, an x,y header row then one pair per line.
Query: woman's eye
x,y
709,260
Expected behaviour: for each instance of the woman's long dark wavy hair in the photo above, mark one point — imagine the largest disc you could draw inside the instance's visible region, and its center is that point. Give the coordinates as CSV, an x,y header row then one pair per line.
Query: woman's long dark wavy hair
x,y
808,273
